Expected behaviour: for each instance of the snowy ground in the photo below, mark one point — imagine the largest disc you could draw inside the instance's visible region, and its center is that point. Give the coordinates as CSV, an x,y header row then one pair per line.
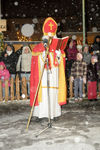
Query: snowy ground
x,y
77,129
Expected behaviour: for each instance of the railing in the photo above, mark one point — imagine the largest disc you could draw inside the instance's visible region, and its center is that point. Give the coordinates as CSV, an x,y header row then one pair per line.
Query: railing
x,y
16,91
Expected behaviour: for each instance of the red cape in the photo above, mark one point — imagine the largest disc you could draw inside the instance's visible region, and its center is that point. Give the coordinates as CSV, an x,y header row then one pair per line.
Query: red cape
x,y
34,77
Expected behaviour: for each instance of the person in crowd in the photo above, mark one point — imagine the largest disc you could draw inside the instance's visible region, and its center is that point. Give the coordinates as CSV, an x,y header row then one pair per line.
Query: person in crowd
x,y
71,55
71,52
96,47
96,52
79,48
78,75
87,59
10,58
96,44
24,65
86,54
53,84
92,78
4,75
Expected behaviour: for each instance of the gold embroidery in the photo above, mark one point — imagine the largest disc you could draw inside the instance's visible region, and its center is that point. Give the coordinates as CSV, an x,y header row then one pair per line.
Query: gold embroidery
x,y
51,25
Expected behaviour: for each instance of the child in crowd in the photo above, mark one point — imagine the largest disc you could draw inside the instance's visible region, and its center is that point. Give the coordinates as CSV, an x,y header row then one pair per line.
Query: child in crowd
x,y
78,75
4,75
92,78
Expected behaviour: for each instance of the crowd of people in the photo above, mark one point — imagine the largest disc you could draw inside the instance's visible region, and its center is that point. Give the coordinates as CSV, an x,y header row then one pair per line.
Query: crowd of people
x,y
14,63
83,66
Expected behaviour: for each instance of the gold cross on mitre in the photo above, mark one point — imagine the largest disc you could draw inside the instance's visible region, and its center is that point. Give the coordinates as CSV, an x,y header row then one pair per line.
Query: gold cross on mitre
x,y
51,25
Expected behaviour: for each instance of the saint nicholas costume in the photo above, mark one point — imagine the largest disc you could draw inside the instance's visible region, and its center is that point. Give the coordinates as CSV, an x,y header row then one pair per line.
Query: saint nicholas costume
x,y
55,73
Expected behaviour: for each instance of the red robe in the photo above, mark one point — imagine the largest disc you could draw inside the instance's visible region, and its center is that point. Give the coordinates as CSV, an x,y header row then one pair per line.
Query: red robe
x,y
34,77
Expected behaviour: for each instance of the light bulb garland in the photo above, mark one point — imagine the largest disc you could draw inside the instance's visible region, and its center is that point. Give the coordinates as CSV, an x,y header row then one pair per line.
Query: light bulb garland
x,y
20,37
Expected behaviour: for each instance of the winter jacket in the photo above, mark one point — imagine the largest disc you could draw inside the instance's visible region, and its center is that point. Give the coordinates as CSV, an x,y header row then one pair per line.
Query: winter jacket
x,y
24,61
4,74
11,60
87,58
79,69
96,45
92,72
71,53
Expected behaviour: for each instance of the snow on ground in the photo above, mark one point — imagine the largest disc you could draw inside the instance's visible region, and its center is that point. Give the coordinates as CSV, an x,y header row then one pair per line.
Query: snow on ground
x,y
77,129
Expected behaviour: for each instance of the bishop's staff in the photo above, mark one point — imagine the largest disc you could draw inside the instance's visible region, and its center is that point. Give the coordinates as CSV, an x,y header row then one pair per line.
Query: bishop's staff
x,y
47,52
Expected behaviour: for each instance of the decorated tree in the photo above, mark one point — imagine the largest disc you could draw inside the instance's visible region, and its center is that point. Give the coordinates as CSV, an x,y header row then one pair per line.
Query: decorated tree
x,y
1,43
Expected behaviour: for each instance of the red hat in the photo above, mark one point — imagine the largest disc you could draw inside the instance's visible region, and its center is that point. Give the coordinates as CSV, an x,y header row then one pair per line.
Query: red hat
x,y
49,27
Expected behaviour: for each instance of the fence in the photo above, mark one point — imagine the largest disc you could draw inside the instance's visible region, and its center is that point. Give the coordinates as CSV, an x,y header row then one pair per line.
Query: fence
x,y
16,88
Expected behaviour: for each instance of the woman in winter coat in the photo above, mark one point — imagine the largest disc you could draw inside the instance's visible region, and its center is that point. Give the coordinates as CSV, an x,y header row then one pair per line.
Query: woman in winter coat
x,y
92,78
96,44
10,58
4,75
24,64
71,55
96,47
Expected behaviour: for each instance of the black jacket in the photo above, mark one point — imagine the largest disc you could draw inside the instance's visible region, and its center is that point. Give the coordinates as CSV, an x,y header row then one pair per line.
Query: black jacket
x,y
11,60
92,72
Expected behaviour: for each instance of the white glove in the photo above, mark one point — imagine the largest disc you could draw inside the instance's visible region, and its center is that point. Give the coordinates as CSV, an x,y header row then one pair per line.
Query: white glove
x,y
84,80
58,52
72,78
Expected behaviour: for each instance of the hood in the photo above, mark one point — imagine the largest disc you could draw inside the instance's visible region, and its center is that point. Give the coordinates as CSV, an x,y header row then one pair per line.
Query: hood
x,y
23,49
95,42
12,47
